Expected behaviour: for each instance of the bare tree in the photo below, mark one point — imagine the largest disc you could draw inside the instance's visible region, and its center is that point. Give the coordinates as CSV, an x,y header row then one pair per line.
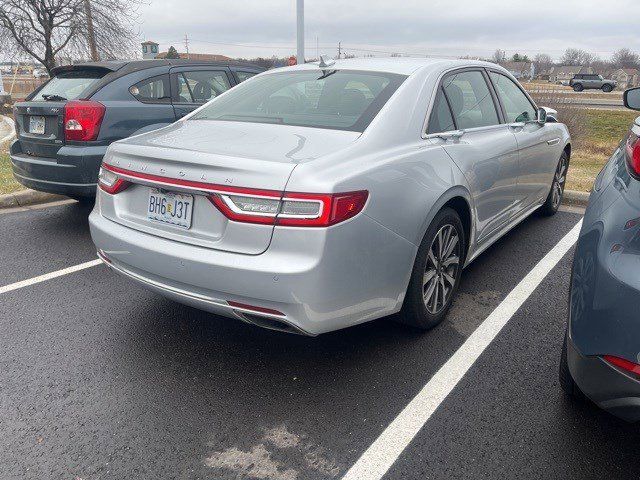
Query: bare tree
x,y
575,56
542,62
625,58
44,29
499,56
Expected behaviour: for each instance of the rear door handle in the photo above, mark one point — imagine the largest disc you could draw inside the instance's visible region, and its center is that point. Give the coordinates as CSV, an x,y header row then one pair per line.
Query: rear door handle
x,y
555,141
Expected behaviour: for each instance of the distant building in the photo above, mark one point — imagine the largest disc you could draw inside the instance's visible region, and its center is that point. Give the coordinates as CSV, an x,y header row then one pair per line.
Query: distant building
x,y
626,77
566,72
199,56
521,70
149,50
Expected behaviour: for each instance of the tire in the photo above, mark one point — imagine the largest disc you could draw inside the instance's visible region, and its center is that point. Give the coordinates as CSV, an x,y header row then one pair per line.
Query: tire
x,y
607,88
554,199
578,87
426,304
567,383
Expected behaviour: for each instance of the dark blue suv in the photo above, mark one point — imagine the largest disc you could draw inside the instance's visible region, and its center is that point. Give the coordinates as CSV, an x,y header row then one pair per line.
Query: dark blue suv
x,y
601,354
65,126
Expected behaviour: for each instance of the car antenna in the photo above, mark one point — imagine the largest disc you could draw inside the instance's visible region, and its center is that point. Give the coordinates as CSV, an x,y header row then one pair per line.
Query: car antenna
x,y
326,61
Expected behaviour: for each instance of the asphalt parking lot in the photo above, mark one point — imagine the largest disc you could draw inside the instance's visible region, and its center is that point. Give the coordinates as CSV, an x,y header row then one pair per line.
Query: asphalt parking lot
x,y
101,379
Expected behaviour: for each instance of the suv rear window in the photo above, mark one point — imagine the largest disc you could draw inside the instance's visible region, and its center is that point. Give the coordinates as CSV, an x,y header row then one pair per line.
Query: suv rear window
x,y
68,85
332,99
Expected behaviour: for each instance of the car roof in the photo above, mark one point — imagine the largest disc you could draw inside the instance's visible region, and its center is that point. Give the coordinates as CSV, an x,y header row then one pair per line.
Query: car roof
x,y
124,67
398,65
115,69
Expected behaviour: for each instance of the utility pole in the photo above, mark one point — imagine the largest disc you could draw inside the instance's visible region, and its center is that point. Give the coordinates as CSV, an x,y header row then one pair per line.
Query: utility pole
x,y
339,50
91,34
300,31
186,45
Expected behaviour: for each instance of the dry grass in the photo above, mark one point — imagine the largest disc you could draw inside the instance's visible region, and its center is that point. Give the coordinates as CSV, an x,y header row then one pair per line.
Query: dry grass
x,y
603,131
7,182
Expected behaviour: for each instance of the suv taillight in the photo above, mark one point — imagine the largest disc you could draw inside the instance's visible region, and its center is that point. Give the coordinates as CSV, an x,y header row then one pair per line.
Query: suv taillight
x,y
82,120
633,154
624,364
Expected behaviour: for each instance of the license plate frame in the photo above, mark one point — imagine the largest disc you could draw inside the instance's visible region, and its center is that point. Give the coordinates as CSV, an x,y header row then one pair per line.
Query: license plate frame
x,y
170,208
37,124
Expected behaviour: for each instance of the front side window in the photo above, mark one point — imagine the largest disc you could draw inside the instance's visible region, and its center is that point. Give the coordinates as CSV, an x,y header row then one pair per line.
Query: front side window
x,y
440,119
152,90
470,99
333,99
201,86
517,106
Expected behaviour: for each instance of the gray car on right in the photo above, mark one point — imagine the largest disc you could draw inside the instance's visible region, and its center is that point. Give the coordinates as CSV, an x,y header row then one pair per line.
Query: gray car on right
x,y
601,354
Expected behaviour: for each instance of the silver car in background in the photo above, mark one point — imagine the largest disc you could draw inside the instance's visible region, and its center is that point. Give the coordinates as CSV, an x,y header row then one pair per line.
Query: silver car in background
x,y
317,197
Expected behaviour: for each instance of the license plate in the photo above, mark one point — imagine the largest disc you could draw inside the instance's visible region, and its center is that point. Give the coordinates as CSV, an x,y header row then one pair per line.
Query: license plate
x,y
172,208
36,125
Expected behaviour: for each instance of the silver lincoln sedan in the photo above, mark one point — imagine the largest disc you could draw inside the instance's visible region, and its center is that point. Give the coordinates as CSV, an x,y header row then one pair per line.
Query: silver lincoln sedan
x,y
317,197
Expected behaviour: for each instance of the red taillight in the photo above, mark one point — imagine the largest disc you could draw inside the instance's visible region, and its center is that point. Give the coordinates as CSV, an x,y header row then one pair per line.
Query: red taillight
x,y
110,182
290,209
625,365
633,154
249,205
82,120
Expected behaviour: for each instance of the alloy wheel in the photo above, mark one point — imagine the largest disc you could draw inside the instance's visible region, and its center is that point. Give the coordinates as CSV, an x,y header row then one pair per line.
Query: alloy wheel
x,y
441,271
559,181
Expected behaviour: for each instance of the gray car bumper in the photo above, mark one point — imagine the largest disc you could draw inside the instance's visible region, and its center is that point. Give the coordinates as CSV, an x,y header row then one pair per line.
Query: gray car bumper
x,y
73,172
608,387
320,283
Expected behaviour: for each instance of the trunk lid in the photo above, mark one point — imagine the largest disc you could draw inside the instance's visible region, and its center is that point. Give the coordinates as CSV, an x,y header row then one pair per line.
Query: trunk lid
x,y
40,127
227,154
40,119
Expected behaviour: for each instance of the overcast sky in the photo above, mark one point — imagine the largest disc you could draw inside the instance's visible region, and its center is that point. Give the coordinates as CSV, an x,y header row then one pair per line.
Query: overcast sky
x,y
249,28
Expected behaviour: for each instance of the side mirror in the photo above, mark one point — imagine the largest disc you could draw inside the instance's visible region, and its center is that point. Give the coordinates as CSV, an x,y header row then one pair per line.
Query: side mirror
x,y
552,115
541,117
632,98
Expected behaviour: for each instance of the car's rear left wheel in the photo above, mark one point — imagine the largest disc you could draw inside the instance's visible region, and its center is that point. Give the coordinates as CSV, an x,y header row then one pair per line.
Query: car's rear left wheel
x,y
436,272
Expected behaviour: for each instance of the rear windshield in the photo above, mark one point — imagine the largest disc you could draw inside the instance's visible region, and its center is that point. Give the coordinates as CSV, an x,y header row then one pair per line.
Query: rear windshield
x,y
335,99
68,85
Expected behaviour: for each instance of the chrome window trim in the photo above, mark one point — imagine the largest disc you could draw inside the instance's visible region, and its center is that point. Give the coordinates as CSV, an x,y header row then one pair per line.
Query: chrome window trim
x,y
498,106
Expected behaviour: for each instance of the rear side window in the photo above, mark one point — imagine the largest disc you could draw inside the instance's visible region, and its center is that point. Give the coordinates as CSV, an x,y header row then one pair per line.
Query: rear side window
x,y
441,119
517,106
68,85
152,90
470,99
201,86
242,76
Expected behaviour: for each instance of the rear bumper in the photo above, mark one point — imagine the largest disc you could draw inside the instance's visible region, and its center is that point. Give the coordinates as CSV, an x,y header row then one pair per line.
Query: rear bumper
x,y
73,172
319,279
611,389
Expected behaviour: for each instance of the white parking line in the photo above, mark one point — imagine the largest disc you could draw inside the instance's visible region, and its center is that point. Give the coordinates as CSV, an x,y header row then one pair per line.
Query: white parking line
x,y
379,457
49,276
